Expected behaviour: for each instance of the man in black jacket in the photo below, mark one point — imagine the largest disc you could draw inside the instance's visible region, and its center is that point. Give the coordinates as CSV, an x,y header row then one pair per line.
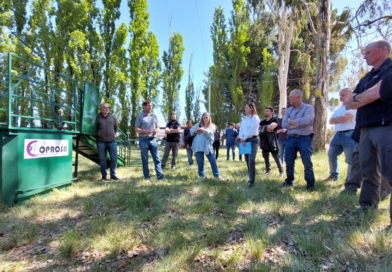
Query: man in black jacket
x,y
268,142
372,98
107,129
172,130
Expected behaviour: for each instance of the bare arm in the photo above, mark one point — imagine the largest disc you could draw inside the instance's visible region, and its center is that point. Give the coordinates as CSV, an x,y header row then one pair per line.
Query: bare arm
x,y
362,99
168,130
341,119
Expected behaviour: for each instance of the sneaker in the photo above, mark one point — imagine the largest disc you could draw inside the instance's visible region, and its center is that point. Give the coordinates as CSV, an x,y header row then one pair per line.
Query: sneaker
x,y
103,179
114,178
310,189
201,178
267,173
220,177
330,178
173,167
281,174
162,178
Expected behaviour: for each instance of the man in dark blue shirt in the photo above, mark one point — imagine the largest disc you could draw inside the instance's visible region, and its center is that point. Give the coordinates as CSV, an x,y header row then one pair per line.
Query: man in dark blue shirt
x,y
231,135
372,97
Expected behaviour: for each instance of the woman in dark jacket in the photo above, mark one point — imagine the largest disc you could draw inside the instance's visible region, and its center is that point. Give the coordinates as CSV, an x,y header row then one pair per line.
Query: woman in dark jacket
x,y
216,143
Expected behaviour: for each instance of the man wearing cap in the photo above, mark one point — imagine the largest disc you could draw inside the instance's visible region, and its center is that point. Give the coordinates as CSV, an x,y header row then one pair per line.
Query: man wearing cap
x,y
147,127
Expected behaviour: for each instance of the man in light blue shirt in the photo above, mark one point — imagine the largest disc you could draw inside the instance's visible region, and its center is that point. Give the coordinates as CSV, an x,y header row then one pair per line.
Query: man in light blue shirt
x,y
299,122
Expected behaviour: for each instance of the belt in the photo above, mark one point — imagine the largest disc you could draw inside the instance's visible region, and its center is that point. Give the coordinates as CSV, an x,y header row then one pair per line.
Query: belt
x,y
344,131
252,138
148,138
295,135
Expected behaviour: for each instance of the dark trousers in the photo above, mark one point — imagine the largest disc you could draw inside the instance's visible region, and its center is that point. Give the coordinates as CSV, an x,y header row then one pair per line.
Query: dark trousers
x,y
355,181
216,146
375,158
250,159
174,146
303,145
275,155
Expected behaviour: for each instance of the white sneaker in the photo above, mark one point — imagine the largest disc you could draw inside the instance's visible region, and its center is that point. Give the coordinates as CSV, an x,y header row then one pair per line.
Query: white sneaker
x,y
220,177
201,178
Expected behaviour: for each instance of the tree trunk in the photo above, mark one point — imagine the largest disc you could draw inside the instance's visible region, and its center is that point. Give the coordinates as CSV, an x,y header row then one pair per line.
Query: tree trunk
x,y
321,102
283,90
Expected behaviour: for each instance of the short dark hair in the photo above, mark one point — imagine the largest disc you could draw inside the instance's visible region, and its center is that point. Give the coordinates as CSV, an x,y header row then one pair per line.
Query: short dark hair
x,y
284,109
174,114
271,109
145,103
189,121
232,124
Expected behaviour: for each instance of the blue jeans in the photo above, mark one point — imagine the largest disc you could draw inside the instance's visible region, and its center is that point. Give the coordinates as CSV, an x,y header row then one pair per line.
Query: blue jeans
x,y
103,147
145,146
189,153
232,146
200,164
304,146
341,142
237,143
282,146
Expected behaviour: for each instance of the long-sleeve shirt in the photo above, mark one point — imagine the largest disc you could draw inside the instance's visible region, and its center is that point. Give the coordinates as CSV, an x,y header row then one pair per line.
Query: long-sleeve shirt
x,y
231,135
304,116
281,135
249,127
203,142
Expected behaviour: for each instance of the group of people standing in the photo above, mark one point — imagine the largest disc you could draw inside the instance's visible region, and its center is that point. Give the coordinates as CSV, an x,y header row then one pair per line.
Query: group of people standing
x,y
363,125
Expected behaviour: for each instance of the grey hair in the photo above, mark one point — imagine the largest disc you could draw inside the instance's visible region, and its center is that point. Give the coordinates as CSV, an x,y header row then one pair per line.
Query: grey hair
x,y
238,124
381,43
298,92
101,104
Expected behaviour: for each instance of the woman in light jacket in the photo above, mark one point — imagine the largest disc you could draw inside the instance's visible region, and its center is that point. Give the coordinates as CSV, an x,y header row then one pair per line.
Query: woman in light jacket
x,y
249,132
202,145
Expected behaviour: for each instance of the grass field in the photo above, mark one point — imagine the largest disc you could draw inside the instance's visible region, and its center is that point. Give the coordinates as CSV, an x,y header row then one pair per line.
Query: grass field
x,y
183,224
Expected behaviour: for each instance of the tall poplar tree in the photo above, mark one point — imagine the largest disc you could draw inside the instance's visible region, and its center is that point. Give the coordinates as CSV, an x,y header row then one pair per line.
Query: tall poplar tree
x,y
238,51
172,74
137,51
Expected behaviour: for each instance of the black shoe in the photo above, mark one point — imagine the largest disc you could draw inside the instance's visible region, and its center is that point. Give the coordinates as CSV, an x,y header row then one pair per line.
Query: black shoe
x,y
310,189
286,185
251,185
330,178
114,178
267,173
161,179
363,210
349,192
103,179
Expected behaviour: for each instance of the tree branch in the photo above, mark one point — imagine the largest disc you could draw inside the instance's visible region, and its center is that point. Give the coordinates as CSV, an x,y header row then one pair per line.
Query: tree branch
x,y
310,18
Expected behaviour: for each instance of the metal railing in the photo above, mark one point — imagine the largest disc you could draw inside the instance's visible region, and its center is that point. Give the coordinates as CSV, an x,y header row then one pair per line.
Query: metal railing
x,y
37,98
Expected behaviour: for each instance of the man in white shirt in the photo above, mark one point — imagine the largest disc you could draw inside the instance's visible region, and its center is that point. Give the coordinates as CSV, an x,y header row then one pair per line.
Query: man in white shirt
x,y
344,121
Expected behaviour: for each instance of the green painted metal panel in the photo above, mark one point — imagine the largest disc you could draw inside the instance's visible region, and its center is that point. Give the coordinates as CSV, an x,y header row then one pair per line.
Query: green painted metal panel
x,y
90,109
33,163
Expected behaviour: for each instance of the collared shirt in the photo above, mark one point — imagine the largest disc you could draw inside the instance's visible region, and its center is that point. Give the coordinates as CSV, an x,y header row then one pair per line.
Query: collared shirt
x,y
304,116
249,127
348,125
203,142
148,122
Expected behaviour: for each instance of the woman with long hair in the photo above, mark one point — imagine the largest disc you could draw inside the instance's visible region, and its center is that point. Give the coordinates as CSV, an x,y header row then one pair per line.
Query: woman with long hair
x,y
249,133
202,145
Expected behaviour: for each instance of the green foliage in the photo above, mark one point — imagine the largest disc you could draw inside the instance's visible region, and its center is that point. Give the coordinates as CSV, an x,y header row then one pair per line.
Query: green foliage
x,y
267,86
238,51
190,93
172,75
